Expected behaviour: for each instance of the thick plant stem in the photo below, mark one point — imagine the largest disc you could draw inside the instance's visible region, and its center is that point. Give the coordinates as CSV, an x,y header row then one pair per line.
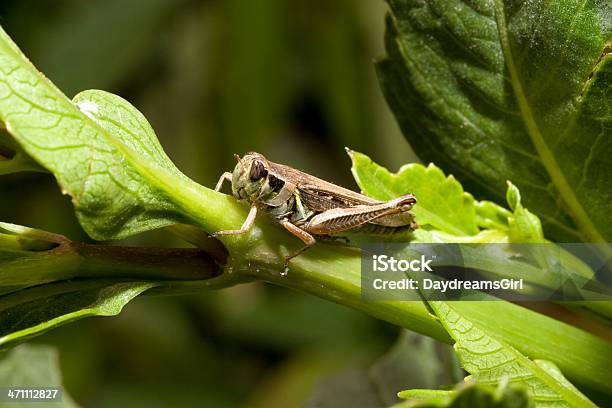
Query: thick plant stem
x,y
31,258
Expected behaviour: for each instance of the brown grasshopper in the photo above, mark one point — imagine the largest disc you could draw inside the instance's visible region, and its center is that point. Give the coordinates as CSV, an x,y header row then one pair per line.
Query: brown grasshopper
x,y
307,206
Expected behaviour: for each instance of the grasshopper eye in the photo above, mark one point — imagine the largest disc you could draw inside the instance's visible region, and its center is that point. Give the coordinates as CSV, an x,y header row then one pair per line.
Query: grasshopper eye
x,y
257,171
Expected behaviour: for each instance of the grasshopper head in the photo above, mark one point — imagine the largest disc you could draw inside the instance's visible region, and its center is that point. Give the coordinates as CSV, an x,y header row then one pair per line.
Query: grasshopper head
x,y
249,176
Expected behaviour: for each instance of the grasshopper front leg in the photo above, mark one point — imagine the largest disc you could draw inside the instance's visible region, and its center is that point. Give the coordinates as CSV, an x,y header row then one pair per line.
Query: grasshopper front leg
x,y
246,226
250,219
227,176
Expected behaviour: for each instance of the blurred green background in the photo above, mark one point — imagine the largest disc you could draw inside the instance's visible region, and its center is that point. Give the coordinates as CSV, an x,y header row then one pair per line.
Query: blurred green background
x,y
293,79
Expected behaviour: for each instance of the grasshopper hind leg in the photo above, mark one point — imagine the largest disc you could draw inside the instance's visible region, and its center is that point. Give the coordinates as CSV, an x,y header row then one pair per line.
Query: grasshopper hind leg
x,y
306,238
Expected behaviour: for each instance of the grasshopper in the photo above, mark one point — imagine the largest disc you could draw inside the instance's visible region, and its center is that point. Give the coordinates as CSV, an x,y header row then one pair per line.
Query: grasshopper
x,y
307,206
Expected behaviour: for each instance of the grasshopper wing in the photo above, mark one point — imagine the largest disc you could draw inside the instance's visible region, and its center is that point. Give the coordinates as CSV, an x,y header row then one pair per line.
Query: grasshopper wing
x,y
317,194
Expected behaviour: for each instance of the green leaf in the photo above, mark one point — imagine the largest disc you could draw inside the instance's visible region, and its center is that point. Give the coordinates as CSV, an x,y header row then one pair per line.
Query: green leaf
x,y
554,372
444,211
523,226
115,171
495,91
31,312
473,396
491,216
33,366
444,208
442,203
490,360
